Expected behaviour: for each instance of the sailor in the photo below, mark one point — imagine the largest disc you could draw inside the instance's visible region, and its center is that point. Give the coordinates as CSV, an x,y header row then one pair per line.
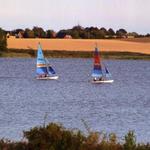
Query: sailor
x,y
101,79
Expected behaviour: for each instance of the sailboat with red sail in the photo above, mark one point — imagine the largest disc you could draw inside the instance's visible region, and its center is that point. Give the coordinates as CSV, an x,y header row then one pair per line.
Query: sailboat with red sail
x,y
100,73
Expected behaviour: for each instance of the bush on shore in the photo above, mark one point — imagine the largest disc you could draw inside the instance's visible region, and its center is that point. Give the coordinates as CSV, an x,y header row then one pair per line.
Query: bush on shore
x,y
56,137
3,40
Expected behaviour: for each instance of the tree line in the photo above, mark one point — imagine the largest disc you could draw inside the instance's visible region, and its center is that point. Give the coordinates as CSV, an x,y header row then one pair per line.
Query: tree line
x,y
77,32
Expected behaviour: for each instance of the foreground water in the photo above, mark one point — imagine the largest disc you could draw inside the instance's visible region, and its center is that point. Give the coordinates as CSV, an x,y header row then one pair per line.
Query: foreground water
x,y
118,107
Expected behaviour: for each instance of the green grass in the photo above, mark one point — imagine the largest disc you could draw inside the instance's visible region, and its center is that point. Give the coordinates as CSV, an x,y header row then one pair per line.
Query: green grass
x,y
73,54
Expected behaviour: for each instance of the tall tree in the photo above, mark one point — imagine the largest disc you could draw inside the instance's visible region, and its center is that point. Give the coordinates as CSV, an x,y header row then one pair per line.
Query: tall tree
x,y
121,32
61,34
104,31
3,40
50,34
28,33
39,32
111,32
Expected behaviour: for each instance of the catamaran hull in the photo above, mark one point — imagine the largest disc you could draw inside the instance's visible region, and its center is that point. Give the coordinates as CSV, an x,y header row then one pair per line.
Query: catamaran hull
x,y
103,81
48,78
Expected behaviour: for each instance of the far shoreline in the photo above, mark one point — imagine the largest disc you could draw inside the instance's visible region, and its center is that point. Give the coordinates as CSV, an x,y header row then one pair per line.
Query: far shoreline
x,y
30,53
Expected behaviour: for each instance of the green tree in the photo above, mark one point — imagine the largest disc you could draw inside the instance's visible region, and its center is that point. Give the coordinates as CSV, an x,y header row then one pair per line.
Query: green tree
x,y
39,32
130,141
78,32
54,137
104,31
95,33
3,40
61,34
75,34
134,34
50,34
121,32
28,33
111,32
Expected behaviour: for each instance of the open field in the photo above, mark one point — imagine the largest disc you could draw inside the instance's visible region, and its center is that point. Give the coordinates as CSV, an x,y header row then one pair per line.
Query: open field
x,y
135,45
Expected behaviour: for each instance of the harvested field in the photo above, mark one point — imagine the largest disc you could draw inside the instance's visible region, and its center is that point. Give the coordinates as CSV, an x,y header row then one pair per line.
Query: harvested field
x,y
80,45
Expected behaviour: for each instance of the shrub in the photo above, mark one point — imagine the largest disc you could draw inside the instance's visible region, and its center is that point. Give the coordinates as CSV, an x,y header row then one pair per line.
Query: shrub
x,y
130,141
3,40
54,137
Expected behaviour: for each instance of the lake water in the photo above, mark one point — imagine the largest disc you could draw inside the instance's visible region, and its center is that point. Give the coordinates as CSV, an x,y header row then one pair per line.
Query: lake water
x,y
118,107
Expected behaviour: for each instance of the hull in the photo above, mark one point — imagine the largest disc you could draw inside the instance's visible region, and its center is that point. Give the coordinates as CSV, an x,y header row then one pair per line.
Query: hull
x,y
48,78
103,81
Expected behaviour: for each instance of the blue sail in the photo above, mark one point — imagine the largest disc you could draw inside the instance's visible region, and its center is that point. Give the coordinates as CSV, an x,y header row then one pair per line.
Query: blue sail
x,y
51,70
41,63
97,70
107,72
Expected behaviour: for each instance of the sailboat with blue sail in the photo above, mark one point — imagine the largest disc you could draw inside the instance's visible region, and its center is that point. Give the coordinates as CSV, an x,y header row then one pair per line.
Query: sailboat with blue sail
x,y
100,73
43,68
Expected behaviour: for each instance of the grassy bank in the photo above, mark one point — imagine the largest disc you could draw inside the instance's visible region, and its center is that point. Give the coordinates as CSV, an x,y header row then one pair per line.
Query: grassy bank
x,y
73,54
56,137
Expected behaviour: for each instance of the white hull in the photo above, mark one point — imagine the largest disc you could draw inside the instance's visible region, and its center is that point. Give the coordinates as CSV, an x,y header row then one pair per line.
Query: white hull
x,y
103,81
48,78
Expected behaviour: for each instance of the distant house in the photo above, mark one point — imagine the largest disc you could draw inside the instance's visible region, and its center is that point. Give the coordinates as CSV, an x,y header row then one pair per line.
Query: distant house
x,y
124,36
12,37
53,34
8,35
130,36
114,36
67,36
19,35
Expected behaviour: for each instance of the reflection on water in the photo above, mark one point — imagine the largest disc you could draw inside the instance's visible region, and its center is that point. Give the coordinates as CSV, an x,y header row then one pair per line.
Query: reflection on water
x,y
118,107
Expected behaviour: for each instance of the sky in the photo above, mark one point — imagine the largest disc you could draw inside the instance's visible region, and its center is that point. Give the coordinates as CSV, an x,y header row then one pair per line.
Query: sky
x,y
132,15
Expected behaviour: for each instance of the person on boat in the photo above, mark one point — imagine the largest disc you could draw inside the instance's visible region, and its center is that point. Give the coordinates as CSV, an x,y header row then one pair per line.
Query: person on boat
x,y
94,79
101,79
42,75
39,76
98,79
